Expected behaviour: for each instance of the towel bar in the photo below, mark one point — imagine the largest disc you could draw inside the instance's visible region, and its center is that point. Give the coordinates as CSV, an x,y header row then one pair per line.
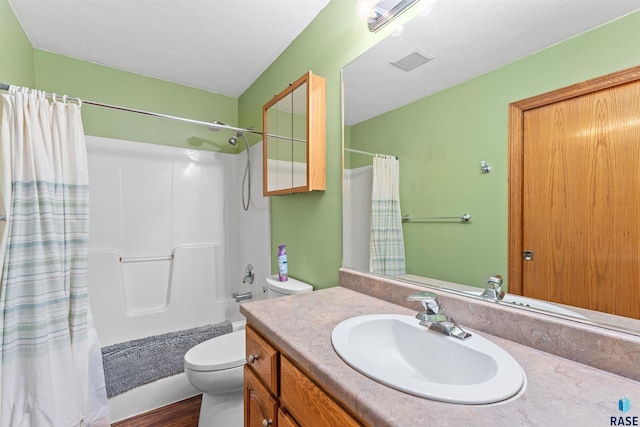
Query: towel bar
x,y
408,218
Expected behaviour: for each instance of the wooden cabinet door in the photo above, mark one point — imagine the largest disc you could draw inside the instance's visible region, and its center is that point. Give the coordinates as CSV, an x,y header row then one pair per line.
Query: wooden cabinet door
x,y
286,420
260,407
307,402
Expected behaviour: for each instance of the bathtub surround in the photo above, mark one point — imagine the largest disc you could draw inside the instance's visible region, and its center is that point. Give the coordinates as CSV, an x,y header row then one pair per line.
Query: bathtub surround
x,y
168,231
168,247
356,217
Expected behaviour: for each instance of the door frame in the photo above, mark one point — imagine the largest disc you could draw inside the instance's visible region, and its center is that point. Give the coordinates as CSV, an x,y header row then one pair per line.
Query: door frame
x,y
516,158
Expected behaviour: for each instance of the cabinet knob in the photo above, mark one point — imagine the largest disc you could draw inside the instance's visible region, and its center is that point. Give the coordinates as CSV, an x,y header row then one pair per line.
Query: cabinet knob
x,y
266,423
253,358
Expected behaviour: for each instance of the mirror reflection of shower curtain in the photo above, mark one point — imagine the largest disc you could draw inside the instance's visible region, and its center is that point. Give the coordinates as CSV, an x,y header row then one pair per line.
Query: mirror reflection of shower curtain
x,y
386,242
50,363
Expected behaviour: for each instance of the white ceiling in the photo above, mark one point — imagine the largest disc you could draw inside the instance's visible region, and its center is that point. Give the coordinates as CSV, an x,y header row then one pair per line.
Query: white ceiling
x,y
218,45
466,38
224,45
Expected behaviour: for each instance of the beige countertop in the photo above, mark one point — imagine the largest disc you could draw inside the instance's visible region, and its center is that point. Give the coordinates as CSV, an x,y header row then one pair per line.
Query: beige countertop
x,y
559,391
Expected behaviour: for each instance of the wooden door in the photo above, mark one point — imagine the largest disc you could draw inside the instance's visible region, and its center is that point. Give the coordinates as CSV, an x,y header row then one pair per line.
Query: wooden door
x,y
580,197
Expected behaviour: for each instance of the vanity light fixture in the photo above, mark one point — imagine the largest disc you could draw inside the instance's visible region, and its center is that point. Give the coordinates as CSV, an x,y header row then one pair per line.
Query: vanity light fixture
x,y
379,13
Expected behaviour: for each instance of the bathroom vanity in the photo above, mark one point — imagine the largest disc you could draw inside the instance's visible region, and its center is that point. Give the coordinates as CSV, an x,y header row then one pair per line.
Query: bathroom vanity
x,y
277,393
298,378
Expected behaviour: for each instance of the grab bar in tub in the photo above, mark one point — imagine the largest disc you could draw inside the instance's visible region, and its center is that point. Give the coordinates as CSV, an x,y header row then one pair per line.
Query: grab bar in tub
x,y
145,259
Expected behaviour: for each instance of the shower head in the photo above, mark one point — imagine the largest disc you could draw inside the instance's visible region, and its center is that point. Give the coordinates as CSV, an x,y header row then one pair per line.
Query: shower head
x,y
234,139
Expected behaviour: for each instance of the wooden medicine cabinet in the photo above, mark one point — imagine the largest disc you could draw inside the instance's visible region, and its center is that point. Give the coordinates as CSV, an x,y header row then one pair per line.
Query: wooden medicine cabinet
x,y
294,138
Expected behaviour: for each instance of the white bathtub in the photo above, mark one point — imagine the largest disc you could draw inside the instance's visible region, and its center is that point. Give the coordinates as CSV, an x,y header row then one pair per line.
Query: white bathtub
x,y
156,394
166,252
186,298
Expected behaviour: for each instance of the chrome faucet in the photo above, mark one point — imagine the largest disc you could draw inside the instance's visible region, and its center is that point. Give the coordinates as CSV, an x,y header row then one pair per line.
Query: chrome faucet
x,y
434,317
242,296
493,288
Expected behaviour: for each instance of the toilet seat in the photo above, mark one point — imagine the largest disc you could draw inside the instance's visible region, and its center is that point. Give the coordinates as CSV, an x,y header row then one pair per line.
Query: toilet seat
x,y
217,354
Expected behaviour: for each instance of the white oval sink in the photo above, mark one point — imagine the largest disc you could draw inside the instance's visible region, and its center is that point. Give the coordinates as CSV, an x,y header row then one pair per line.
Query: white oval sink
x,y
395,350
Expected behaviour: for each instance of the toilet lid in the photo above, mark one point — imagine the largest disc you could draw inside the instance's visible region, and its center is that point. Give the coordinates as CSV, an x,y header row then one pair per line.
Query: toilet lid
x,y
291,286
222,352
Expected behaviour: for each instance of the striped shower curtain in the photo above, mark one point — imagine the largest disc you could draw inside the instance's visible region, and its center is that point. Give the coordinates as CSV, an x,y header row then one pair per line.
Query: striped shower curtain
x,y
386,243
50,366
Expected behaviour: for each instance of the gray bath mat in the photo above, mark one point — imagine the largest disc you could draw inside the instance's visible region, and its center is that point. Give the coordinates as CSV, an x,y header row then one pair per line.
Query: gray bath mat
x,y
134,363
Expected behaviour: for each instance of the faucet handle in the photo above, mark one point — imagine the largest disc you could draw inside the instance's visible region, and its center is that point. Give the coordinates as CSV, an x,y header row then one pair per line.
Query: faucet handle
x,y
249,274
497,279
429,300
493,288
434,316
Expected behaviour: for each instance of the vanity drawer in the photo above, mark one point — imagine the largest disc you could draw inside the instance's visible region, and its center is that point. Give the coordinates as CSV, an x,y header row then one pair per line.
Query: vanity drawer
x,y
263,358
307,403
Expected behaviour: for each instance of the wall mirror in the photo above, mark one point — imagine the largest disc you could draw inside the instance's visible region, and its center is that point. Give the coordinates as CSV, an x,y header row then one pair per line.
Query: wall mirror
x,y
436,95
294,134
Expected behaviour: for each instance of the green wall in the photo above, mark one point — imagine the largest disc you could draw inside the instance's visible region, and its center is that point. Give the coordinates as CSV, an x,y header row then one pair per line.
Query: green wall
x,y
64,75
311,224
439,156
441,140
16,61
20,64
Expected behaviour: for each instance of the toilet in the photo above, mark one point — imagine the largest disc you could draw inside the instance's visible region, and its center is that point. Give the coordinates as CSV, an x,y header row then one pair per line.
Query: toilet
x,y
215,366
276,288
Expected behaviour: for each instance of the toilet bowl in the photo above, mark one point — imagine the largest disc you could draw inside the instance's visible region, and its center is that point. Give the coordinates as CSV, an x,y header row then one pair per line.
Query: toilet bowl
x,y
215,366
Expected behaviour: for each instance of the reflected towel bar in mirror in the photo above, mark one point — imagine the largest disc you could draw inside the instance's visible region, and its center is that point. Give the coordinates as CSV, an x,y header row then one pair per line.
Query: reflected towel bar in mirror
x,y
408,218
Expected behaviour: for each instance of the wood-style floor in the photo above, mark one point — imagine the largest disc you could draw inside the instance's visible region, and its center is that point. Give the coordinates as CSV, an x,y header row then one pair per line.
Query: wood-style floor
x,y
180,414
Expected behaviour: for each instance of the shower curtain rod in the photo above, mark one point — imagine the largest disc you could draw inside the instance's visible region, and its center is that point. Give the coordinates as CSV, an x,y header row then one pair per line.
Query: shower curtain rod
x,y
210,125
353,150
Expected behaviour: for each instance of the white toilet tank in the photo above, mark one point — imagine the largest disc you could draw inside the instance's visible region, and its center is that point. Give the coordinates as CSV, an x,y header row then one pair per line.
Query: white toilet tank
x,y
276,288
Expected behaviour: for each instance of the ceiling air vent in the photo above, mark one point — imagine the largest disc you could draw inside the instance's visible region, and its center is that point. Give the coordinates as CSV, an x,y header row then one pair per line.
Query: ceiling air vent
x,y
412,61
